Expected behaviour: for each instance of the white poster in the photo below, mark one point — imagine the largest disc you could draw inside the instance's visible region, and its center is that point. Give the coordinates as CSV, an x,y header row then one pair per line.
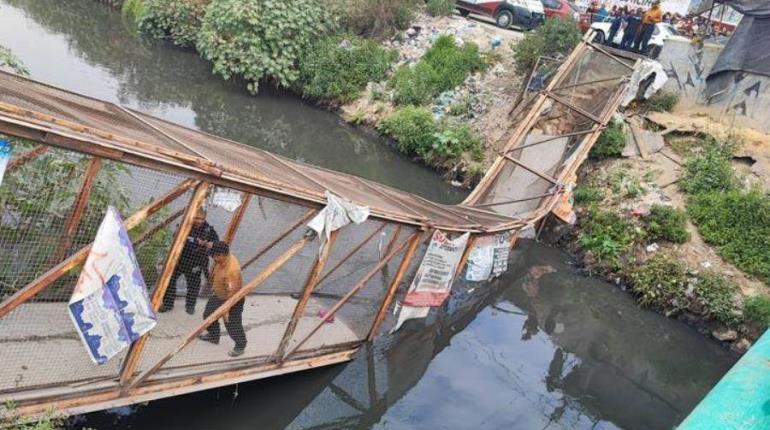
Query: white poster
x,y
5,156
337,214
227,199
431,284
489,257
110,305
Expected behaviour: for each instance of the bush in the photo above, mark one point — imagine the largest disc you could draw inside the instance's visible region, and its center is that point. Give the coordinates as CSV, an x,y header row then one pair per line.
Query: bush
x,y
337,68
374,18
417,133
441,7
661,102
709,171
606,234
261,40
716,295
443,67
413,128
757,309
586,195
178,20
738,224
9,62
667,223
660,283
555,37
610,143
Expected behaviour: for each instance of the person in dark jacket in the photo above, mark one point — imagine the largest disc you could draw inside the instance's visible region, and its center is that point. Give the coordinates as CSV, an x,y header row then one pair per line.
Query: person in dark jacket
x,y
633,22
620,16
193,263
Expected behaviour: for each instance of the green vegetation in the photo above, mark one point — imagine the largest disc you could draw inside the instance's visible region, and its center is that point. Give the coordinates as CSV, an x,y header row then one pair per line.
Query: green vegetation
x,y
441,7
710,171
716,295
419,134
373,18
337,68
610,143
462,107
585,195
607,235
661,102
667,223
8,61
261,40
443,67
660,283
12,421
757,310
178,20
555,37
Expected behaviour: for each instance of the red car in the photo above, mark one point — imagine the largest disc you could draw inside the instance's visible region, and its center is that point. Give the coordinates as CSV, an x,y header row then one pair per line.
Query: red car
x,y
561,9
526,14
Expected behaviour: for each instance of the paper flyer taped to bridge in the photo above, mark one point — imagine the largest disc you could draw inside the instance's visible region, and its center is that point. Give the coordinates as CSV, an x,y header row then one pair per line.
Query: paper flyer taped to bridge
x,y
489,257
110,306
433,280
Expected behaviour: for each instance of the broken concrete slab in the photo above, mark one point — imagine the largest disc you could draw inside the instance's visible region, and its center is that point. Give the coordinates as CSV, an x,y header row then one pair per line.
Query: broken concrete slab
x,y
640,142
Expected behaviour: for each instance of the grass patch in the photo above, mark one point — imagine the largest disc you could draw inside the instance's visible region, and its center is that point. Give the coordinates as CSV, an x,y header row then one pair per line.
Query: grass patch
x,y
555,37
667,223
610,143
607,234
440,7
585,195
716,295
443,67
417,133
710,170
660,283
661,102
337,68
757,310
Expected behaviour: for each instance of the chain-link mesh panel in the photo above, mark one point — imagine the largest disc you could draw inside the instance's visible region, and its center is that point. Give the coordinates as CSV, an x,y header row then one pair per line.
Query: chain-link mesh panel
x,y
39,345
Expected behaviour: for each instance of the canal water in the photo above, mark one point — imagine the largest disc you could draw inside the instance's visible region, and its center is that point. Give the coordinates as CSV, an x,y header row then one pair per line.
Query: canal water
x,y
540,348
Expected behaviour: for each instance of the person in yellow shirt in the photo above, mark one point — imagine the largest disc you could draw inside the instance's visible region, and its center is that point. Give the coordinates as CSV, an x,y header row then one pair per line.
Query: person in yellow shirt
x,y
226,280
652,17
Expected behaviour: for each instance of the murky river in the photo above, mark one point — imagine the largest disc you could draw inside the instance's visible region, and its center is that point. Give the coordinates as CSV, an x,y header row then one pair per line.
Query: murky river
x,y
542,347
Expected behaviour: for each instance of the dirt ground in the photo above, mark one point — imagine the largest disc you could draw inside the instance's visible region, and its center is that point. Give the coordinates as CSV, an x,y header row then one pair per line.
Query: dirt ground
x,y
490,95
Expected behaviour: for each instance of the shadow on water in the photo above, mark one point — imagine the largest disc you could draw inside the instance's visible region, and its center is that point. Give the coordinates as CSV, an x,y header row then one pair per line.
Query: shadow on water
x,y
541,347
85,47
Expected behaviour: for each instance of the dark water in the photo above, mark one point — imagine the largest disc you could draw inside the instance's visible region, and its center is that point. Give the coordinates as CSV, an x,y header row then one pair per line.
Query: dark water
x,y
85,47
540,348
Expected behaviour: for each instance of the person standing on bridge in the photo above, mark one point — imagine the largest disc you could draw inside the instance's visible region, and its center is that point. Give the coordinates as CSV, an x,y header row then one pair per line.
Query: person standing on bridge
x,y
649,21
193,263
226,280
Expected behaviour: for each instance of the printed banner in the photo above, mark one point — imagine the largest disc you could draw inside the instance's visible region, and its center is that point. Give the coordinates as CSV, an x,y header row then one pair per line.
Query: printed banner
x,y
110,306
227,199
489,257
433,280
5,156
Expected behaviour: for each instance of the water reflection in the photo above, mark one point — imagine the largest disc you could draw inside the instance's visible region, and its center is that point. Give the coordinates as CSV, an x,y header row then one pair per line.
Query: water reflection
x,y
85,47
540,348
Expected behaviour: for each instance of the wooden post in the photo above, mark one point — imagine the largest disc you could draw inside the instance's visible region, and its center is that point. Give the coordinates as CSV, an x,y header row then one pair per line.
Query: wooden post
x,y
350,254
227,305
310,283
25,158
361,284
78,208
414,242
309,214
196,201
235,222
78,258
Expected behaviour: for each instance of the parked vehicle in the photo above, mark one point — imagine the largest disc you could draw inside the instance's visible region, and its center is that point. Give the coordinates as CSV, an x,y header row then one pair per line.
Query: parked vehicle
x,y
561,9
526,14
661,33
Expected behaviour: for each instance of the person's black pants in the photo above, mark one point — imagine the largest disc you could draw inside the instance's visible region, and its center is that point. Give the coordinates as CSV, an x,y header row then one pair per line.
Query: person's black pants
x,y
233,324
644,38
193,277
628,40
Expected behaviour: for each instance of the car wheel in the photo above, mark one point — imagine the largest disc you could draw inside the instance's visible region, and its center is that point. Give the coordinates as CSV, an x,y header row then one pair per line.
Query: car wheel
x,y
599,37
504,19
655,52
464,12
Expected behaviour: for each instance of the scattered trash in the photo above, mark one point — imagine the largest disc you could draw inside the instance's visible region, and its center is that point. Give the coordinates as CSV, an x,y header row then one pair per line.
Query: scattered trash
x,y
706,264
653,247
324,315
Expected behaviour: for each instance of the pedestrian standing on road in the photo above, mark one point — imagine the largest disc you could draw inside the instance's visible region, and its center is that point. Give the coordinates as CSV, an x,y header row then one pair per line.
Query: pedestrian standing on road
x,y
226,280
650,19
633,21
193,263
602,14
617,20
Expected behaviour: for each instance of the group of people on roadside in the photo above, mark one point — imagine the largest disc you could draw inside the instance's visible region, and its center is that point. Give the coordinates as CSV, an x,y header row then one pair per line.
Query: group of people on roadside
x,y
637,25
224,278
